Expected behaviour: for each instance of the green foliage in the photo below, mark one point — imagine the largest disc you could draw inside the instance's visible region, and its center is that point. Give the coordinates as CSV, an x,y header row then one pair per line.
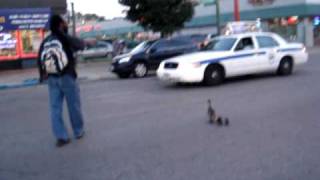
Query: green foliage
x,y
90,17
165,16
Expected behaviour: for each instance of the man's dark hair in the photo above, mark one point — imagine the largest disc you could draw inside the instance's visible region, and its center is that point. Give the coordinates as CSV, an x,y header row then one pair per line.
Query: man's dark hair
x,y
55,28
55,22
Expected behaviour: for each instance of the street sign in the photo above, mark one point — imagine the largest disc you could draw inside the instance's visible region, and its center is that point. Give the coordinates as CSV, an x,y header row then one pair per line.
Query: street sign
x,y
24,19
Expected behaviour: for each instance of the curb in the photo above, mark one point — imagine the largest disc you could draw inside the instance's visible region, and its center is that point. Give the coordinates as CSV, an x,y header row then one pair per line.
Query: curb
x,y
35,82
25,83
313,50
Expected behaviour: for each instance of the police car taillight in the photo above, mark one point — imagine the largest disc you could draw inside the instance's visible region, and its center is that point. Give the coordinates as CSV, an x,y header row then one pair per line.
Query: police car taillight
x,y
304,49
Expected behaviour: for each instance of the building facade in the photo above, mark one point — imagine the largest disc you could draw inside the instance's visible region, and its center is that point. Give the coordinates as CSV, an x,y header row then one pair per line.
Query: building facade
x,y
57,6
296,20
23,25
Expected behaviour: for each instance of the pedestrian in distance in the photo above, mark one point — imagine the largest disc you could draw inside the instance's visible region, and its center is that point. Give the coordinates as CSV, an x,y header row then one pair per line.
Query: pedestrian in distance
x,y
57,65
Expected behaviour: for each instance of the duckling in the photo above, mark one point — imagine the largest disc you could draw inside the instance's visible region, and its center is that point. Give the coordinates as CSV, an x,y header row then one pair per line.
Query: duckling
x,y
226,122
211,113
213,118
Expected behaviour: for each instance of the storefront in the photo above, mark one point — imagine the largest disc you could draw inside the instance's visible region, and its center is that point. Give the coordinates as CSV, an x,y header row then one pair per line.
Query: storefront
x,y
316,23
21,32
296,20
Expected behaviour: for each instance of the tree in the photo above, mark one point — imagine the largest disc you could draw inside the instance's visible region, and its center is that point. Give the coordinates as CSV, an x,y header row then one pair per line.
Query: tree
x,y
165,16
101,18
89,17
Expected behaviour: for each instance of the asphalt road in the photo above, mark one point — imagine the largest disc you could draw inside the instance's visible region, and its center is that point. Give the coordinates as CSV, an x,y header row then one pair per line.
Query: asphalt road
x,y
140,129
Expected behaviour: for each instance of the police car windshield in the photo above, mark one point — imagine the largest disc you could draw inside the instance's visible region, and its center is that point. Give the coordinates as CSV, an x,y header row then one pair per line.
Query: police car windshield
x,y
220,44
141,47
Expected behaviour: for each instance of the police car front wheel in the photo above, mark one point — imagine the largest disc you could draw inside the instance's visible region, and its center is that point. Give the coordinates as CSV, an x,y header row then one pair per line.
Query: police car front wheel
x,y
214,75
285,67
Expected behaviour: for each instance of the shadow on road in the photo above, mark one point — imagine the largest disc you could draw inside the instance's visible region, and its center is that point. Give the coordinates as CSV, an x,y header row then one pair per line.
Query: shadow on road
x,y
236,80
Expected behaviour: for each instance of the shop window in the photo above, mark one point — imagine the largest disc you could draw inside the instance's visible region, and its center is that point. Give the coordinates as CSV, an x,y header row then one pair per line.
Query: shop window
x,y
285,28
8,44
31,40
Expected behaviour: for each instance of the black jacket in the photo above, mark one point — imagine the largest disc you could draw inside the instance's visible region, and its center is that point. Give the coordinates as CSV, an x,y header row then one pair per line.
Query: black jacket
x,y
70,45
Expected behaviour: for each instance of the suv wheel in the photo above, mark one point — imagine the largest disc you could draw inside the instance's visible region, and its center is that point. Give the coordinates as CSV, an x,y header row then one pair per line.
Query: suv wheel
x,y
140,70
214,75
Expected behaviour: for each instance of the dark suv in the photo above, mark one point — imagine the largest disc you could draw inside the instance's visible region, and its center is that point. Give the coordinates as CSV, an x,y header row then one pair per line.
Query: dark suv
x,y
148,56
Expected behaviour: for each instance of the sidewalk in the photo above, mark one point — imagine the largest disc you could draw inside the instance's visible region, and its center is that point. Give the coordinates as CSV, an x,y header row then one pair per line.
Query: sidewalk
x,y
29,77
314,50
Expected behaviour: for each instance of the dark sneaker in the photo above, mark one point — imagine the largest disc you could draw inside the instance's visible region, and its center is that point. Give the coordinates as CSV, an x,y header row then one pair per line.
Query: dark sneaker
x,y
62,142
80,136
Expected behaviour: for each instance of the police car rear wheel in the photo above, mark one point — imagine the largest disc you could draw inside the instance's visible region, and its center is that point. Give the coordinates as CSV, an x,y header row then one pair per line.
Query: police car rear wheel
x,y
213,75
285,67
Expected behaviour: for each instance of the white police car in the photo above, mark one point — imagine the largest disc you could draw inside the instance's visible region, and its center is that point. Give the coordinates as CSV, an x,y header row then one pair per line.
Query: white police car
x,y
234,55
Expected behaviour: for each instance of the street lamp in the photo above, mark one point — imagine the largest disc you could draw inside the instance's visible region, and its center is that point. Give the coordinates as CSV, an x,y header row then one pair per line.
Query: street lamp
x,y
218,16
73,20
217,4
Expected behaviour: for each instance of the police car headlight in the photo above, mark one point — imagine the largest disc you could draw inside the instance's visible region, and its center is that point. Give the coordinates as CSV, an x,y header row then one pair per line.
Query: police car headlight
x,y
125,60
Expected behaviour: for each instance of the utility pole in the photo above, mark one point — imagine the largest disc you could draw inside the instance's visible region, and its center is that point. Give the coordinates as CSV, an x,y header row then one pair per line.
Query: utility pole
x,y
217,2
236,10
73,20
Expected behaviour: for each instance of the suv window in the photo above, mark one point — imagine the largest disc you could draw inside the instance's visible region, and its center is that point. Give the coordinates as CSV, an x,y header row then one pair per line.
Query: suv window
x,y
180,43
160,45
177,43
164,45
266,42
245,44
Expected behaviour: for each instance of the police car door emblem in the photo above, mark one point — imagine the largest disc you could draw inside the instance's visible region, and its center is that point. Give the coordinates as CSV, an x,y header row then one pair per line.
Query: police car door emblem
x,y
271,58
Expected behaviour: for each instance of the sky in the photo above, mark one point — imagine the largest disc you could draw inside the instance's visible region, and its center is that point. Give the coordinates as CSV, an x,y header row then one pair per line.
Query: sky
x,y
108,8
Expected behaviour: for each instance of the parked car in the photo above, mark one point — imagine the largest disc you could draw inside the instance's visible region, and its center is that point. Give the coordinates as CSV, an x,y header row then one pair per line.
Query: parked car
x,y
235,55
148,55
96,50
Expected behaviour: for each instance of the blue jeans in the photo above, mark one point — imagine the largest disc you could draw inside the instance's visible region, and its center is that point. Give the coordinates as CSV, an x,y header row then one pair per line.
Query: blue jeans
x,y
66,87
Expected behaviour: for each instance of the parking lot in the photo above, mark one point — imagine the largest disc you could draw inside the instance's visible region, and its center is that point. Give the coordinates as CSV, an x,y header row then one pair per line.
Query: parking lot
x,y
142,129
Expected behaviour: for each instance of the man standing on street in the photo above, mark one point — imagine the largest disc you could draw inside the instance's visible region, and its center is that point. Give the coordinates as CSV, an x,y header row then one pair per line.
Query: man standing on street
x,y
57,65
